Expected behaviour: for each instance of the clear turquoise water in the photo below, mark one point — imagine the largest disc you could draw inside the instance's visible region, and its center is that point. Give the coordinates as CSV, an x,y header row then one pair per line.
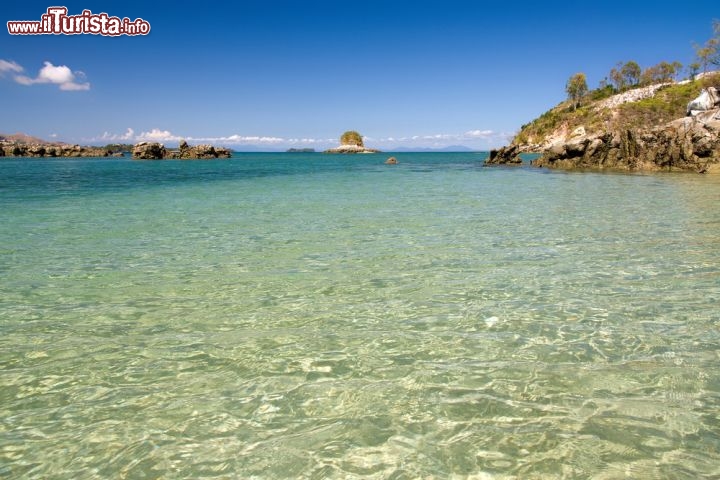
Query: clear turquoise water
x,y
310,316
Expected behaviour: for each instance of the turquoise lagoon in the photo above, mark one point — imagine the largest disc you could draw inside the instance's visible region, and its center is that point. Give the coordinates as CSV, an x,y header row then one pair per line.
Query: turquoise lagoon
x,y
312,316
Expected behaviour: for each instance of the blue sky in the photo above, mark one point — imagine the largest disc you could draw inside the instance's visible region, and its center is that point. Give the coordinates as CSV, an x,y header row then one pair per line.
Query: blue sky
x,y
279,74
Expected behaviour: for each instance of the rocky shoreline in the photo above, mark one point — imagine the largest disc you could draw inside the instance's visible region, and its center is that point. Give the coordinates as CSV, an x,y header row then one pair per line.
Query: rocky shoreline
x,y
141,151
8,149
690,144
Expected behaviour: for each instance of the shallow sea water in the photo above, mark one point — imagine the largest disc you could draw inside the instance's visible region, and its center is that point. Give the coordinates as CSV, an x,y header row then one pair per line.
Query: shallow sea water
x,y
310,316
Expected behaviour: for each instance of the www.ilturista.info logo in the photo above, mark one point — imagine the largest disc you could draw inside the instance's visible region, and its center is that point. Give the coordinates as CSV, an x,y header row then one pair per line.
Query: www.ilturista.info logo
x,y
57,22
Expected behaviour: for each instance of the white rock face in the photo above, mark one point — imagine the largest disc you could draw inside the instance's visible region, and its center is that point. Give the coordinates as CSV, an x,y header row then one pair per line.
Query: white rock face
x,y
707,100
634,95
578,132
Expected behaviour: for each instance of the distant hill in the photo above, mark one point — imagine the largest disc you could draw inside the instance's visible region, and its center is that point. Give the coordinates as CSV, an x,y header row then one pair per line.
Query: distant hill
x,y
25,139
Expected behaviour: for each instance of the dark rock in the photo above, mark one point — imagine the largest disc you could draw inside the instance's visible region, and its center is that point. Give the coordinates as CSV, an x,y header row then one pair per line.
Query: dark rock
x,y
509,155
223,152
203,151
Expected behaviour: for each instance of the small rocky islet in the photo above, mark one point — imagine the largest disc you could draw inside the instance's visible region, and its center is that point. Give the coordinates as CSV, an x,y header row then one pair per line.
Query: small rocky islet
x,y
351,142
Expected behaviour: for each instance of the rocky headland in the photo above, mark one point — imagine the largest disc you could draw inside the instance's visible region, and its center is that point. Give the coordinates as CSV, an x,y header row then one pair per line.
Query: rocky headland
x,y
669,126
157,151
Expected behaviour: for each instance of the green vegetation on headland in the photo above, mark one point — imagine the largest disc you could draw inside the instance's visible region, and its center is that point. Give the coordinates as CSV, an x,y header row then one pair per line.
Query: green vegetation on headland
x,y
634,120
655,105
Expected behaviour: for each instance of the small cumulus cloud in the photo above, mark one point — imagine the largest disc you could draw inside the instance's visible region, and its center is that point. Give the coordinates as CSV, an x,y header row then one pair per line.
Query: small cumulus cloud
x,y
9,66
129,135
157,135
60,75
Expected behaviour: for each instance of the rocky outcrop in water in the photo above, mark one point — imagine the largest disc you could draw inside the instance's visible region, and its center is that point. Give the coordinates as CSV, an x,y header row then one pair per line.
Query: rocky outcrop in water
x,y
157,151
149,151
351,149
686,144
505,156
50,150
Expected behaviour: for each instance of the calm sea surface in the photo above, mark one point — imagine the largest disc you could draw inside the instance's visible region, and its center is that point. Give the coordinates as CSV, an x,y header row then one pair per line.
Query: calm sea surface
x,y
311,316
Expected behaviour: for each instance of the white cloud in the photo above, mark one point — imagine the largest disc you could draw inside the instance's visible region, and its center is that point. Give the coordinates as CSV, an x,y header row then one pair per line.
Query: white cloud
x,y
479,139
55,74
129,135
72,86
9,66
23,80
157,135
60,75
239,139
480,133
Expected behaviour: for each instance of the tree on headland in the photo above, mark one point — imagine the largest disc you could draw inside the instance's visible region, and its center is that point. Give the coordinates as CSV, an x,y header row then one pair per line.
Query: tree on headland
x,y
625,75
693,69
663,72
709,54
616,77
631,72
704,55
576,88
351,137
